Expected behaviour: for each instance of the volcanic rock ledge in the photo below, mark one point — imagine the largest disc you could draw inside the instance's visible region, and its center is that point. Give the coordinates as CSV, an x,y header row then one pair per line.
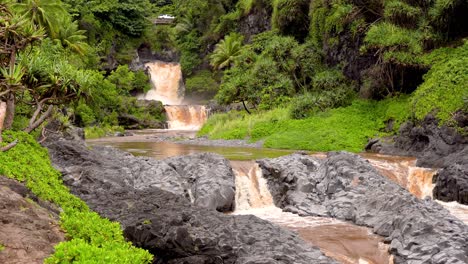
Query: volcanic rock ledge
x,y
151,199
347,187
200,184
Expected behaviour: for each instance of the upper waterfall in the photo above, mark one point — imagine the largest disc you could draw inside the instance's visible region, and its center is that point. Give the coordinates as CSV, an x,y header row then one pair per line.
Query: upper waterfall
x,y
167,82
168,87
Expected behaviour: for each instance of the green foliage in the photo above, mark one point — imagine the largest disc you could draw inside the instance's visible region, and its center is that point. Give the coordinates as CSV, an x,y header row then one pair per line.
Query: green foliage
x,y
2,247
226,51
101,131
336,20
201,83
398,44
313,102
324,131
92,238
402,13
127,81
85,113
290,17
445,85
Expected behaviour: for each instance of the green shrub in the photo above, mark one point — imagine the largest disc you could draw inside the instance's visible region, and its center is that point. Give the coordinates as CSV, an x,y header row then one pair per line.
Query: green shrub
x,y
93,239
399,44
85,114
445,85
201,83
344,128
101,131
310,103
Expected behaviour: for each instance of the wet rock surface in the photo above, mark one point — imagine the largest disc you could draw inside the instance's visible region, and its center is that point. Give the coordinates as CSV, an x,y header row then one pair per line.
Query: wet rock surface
x,y
451,183
199,183
149,198
347,187
29,228
435,147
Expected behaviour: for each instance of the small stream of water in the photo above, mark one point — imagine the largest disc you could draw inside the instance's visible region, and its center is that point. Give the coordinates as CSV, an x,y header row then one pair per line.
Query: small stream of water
x,y
340,240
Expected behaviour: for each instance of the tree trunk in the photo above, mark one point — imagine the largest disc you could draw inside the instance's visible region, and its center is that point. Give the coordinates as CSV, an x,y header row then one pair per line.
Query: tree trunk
x,y
37,121
245,107
10,112
3,108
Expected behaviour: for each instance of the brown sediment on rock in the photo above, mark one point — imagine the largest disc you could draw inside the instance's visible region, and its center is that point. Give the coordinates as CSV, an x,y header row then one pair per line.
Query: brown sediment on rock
x,y
29,227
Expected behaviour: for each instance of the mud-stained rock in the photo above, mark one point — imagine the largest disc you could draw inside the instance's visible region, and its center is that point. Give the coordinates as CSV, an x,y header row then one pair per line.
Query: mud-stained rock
x,y
166,223
347,187
29,227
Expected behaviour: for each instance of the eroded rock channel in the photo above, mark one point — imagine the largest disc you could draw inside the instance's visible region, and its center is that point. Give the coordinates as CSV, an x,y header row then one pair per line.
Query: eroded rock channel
x,y
172,207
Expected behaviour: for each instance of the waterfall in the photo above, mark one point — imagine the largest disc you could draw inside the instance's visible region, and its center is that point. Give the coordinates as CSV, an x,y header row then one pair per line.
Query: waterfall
x,y
186,117
403,170
416,180
345,242
168,87
251,187
166,79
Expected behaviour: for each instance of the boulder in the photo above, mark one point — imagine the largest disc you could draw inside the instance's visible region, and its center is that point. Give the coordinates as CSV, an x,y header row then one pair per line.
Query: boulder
x,y
210,183
347,187
451,183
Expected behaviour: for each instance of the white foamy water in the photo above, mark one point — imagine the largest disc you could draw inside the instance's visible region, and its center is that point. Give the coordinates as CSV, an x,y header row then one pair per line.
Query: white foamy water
x,y
458,210
345,242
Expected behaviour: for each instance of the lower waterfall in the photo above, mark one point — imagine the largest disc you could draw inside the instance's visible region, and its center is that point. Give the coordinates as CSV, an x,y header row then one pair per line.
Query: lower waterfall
x,y
345,242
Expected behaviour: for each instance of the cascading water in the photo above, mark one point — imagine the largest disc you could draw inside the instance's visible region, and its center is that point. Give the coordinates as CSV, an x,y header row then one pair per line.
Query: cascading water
x,y
168,87
186,117
417,180
342,241
403,170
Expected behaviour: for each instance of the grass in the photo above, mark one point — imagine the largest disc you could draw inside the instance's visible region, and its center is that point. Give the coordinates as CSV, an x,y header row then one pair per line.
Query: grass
x,y
92,239
98,132
346,128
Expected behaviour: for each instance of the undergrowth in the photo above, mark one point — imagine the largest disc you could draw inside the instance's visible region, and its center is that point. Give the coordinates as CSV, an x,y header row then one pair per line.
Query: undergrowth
x,y
345,128
101,131
445,89
92,239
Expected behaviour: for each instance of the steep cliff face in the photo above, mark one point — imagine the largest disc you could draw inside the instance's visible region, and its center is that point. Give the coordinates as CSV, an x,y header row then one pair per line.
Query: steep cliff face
x,y
258,20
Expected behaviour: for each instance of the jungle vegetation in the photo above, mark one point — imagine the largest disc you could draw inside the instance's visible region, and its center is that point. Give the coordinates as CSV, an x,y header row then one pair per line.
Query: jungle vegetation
x,y
298,69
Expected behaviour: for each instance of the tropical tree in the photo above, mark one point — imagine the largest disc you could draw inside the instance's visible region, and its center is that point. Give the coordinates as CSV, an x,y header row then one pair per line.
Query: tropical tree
x,y
70,36
44,13
227,51
16,34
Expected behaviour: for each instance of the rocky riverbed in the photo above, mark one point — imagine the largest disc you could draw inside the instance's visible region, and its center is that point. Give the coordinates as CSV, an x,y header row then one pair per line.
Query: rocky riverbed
x,y
171,206
166,207
345,186
437,147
